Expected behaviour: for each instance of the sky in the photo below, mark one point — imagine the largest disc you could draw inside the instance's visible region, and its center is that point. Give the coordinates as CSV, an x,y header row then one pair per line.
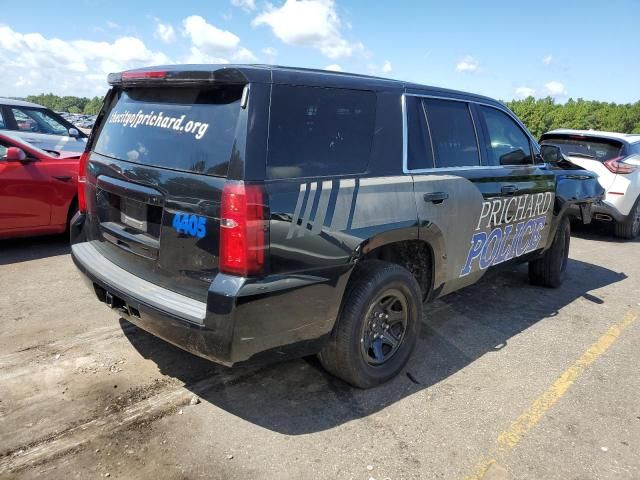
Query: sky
x,y
503,49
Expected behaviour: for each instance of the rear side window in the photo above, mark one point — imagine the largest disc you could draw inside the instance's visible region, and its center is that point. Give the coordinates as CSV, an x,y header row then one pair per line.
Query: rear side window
x,y
2,124
189,129
453,134
598,149
507,144
319,131
419,150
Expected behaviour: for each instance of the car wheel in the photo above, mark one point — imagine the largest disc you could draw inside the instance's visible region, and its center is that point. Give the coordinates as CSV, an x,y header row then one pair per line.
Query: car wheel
x,y
378,325
550,269
630,228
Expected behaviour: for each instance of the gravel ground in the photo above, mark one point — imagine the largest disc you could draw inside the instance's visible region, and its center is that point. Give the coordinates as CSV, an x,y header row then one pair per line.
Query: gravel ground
x,y
508,381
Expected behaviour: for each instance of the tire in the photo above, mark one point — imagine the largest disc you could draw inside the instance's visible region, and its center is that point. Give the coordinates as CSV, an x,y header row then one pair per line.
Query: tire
x,y
550,269
366,364
630,228
73,208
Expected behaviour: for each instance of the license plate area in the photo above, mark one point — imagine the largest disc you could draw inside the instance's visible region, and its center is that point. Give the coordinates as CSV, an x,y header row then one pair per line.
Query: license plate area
x,y
133,214
130,215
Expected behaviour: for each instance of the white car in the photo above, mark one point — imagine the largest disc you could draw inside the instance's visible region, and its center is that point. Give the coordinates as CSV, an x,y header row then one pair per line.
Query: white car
x,y
615,157
40,126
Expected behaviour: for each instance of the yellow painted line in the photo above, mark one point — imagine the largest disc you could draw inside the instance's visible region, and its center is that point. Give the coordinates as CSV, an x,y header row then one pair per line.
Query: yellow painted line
x,y
509,438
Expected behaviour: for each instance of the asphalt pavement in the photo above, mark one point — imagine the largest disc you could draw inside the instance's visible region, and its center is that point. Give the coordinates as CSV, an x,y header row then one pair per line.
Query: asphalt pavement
x,y
508,381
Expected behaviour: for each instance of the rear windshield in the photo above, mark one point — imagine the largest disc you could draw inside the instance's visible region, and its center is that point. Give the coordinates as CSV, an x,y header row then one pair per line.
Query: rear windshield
x,y
319,131
599,149
190,129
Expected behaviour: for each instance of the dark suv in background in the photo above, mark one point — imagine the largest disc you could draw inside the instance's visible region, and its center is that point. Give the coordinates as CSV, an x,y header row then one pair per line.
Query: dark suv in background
x,y
247,212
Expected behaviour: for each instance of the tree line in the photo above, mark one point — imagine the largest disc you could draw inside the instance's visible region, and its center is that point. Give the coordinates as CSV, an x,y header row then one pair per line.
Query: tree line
x,y
544,114
90,106
539,115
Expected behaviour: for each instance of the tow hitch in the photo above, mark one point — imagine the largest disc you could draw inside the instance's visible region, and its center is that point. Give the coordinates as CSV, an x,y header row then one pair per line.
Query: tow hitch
x,y
114,302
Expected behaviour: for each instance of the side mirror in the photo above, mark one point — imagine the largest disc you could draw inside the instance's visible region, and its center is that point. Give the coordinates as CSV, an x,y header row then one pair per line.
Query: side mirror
x,y
15,154
73,132
551,154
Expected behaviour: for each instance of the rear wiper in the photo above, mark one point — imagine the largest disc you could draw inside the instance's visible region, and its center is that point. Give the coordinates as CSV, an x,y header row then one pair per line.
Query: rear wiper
x,y
578,154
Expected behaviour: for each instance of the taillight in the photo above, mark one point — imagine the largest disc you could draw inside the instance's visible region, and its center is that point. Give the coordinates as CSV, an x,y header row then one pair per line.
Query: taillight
x,y
242,230
616,166
82,181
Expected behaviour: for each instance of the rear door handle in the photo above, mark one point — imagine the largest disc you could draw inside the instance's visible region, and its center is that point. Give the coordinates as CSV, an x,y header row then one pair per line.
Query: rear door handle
x,y
509,189
436,197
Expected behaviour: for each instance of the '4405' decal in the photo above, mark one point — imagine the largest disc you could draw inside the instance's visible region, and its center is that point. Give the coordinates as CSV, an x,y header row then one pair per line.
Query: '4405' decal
x,y
192,225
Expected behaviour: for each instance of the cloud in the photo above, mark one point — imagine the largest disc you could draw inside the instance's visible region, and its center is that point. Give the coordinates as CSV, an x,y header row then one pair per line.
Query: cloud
x,y
244,55
164,32
525,92
386,68
246,5
270,51
198,56
555,89
76,67
209,38
310,23
548,59
211,44
467,64
334,67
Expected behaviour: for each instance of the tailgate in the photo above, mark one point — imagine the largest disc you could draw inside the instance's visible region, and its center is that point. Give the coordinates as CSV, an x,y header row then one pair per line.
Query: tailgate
x,y
155,179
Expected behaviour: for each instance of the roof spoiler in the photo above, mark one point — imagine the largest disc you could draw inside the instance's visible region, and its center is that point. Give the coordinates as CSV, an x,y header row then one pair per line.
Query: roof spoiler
x,y
178,76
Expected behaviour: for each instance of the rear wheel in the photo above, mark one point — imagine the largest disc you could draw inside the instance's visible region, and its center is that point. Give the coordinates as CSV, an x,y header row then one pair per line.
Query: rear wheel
x,y
377,327
630,228
550,269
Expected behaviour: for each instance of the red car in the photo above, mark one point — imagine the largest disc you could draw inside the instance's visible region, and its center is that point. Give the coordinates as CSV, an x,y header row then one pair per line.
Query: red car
x,y
38,189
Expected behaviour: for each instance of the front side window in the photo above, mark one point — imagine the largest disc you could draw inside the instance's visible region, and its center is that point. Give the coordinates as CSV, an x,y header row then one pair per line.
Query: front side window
x,y
319,131
507,144
2,124
453,134
37,121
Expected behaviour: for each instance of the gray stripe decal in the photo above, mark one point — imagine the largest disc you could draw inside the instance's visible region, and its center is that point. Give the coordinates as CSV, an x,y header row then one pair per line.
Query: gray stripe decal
x,y
343,204
307,211
321,211
296,212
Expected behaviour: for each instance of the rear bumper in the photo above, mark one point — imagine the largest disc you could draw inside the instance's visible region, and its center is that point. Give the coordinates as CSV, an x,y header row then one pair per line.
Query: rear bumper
x,y
242,319
601,211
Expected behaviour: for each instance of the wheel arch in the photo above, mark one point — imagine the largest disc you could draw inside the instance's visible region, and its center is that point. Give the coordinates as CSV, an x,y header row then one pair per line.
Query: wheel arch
x,y
407,247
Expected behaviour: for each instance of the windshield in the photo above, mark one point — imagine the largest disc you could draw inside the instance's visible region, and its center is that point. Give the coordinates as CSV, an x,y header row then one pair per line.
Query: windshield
x,y
599,149
190,129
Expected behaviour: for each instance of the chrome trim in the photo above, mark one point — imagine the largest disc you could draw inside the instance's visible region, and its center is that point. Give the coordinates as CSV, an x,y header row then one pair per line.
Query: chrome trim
x,y
405,145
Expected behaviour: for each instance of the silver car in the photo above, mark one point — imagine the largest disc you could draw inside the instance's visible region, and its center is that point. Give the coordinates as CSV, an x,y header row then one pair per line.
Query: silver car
x,y
40,126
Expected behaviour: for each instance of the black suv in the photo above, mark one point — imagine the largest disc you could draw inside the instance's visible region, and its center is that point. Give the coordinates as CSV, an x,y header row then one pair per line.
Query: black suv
x,y
245,212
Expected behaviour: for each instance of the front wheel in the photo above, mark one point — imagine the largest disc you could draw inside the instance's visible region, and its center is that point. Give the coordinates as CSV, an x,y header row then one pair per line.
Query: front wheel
x,y
378,325
550,269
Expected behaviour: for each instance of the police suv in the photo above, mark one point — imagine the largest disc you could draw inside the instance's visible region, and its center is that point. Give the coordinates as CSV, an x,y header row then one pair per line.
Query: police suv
x,y
251,212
